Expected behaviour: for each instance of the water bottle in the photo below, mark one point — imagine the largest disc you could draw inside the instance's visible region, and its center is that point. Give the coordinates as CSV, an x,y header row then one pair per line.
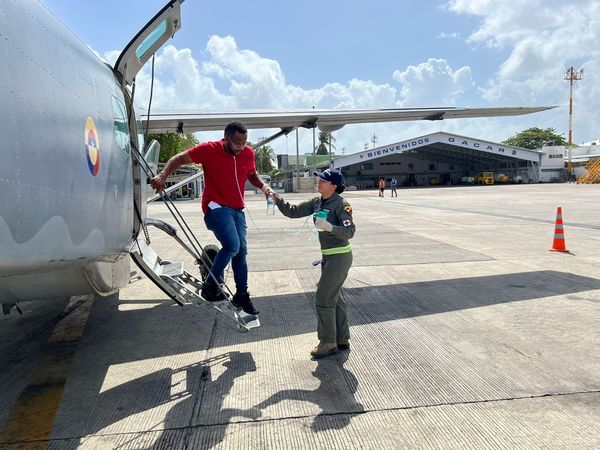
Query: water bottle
x,y
270,206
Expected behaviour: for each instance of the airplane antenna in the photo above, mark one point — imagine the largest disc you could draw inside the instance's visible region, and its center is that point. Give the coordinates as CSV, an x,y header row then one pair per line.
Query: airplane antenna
x,y
571,75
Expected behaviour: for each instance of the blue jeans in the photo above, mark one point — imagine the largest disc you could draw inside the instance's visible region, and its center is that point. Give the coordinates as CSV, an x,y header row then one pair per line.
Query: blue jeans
x,y
229,227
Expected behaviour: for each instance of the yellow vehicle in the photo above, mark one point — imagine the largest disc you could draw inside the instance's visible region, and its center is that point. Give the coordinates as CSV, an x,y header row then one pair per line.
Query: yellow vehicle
x,y
503,179
486,178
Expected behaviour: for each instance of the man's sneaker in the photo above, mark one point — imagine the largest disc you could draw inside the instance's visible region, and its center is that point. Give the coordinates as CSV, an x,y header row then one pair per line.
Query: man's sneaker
x,y
243,301
324,349
212,293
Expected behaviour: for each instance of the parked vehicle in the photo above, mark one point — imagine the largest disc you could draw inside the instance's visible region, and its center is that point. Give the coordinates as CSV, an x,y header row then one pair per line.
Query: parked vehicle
x,y
486,178
502,179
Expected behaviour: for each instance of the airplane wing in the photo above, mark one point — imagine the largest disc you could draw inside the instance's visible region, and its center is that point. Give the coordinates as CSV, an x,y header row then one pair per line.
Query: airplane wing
x,y
326,120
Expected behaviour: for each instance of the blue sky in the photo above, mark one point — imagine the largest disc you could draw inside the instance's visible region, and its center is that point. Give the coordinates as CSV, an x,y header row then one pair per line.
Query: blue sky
x,y
358,54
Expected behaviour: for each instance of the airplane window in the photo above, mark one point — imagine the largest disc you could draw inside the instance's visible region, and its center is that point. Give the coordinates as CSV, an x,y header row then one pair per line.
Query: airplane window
x,y
121,126
151,39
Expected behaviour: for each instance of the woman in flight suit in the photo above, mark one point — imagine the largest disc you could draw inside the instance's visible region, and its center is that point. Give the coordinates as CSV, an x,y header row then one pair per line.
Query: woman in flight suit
x,y
333,219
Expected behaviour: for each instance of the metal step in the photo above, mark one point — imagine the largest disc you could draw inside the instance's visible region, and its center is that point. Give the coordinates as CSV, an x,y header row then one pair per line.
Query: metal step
x,y
183,287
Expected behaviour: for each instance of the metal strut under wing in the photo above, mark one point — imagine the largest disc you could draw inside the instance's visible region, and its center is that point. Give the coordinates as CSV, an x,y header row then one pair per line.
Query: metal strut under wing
x,y
179,285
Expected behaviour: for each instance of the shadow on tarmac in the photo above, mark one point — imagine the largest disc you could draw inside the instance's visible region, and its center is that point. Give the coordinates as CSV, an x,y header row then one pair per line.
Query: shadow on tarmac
x,y
335,394
126,337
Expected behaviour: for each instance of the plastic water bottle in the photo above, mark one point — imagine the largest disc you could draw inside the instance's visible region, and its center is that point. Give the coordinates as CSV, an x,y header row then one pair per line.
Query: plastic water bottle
x,y
270,206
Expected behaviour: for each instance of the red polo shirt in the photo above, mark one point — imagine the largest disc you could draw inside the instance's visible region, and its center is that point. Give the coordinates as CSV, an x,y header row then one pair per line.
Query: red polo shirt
x,y
224,175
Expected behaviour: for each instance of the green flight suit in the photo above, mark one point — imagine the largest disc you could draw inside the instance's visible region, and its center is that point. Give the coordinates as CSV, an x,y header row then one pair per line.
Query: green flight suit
x,y
332,318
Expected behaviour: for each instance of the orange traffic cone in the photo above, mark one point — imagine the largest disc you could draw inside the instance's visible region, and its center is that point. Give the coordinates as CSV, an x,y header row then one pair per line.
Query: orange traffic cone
x,y
558,245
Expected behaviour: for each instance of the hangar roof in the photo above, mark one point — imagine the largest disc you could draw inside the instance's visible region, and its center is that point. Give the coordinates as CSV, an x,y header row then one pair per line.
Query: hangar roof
x,y
445,147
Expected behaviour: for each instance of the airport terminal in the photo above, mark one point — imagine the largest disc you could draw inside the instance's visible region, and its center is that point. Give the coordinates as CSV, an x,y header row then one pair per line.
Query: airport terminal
x,y
444,158
448,159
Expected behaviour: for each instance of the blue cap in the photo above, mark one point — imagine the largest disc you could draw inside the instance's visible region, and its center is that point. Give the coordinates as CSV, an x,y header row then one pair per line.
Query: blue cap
x,y
332,175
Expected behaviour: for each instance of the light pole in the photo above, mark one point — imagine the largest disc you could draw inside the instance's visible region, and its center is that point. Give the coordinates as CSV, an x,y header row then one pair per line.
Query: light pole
x,y
314,162
297,161
572,75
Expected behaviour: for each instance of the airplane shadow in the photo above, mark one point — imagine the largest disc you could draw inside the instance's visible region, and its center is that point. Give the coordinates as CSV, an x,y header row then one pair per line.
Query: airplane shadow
x,y
23,338
334,396
140,336
186,394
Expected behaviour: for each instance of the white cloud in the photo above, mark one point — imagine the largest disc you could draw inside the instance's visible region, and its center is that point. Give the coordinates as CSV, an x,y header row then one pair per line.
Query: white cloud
x,y
432,83
544,39
444,35
253,79
248,80
251,82
111,57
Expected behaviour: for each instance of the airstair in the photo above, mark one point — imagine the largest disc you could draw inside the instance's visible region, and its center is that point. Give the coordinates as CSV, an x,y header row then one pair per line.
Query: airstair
x,y
181,286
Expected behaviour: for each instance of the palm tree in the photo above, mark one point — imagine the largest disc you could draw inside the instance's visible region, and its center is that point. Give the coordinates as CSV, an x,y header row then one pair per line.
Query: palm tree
x,y
264,157
275,173
324,139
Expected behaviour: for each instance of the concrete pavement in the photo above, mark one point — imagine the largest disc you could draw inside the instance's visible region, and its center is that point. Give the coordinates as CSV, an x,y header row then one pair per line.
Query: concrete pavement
x,y
466,333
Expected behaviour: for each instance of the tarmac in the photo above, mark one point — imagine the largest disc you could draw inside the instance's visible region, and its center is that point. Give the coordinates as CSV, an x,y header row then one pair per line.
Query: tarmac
x,y
467,332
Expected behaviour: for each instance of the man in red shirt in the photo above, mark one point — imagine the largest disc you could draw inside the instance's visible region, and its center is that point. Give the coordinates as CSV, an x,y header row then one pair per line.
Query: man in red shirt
x,y
227,165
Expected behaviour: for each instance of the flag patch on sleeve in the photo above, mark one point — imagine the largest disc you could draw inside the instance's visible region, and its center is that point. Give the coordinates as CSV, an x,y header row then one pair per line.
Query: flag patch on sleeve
x,y
347,223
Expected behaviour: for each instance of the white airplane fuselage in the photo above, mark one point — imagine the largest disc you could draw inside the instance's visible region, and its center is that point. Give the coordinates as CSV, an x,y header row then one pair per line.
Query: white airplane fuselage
x,y
66,180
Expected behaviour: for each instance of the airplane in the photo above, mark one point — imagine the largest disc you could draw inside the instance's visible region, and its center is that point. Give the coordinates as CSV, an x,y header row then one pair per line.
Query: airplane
x,y
73,179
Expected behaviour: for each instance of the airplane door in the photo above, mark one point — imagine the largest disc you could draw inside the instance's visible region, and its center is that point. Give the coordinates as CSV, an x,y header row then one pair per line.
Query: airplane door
x,y
131,60
150,38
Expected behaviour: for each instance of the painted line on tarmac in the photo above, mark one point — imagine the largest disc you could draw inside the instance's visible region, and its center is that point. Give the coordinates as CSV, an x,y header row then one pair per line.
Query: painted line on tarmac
x,y
483,213
32,416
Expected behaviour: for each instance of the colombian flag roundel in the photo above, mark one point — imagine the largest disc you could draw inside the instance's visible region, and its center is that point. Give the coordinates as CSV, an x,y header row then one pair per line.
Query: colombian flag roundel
x,y
92,146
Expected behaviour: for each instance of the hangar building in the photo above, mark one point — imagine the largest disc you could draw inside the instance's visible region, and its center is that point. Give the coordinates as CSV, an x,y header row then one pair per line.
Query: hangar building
x,y
445,158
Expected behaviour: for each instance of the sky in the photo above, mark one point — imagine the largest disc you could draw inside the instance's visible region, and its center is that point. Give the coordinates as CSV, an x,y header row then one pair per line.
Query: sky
x,y
269,54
